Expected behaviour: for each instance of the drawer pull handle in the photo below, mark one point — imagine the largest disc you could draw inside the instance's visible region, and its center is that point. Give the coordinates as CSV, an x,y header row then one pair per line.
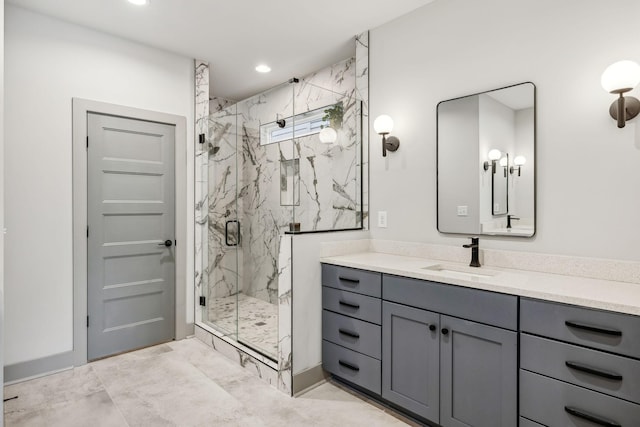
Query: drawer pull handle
x,y
594,371
348,365
590,417
349,333
349,304
349,280
591,328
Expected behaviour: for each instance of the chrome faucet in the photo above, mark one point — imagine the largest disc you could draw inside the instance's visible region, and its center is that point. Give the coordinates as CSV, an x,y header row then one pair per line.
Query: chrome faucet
x,y
475,262
511,218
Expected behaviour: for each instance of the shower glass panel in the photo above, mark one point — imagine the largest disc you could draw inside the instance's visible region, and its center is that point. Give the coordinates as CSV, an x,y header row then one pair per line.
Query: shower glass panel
x,y
221,275
288,160
264,147
247,216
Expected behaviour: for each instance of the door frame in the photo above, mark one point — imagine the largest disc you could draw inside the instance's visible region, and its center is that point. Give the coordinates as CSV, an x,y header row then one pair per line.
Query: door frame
x,y
80,108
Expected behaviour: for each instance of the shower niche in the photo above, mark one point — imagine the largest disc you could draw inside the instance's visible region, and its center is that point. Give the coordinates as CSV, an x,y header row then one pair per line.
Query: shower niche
x,y
283,162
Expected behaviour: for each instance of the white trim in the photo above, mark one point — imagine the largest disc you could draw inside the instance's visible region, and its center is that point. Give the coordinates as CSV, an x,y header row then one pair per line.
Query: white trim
x,y
81,107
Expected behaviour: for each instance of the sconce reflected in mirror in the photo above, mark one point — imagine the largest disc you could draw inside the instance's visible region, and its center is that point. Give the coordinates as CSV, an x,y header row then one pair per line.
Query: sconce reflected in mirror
x,y
493,156
504,163
621,77
518,162
383,125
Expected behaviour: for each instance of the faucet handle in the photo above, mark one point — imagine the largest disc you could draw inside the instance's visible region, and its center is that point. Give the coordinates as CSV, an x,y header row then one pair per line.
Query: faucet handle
x,y
474,243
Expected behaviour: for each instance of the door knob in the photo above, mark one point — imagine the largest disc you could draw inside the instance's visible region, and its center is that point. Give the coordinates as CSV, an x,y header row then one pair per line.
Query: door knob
x,y
166,243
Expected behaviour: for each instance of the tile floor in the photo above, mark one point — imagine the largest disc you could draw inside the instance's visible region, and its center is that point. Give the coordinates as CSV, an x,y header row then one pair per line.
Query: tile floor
x,y
257,321
181,383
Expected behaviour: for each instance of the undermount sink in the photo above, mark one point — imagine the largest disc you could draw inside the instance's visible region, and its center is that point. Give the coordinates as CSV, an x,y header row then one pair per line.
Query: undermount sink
x,y
461,270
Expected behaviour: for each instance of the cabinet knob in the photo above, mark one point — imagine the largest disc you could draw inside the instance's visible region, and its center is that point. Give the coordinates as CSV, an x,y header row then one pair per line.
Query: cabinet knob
x,y
445,331
432,328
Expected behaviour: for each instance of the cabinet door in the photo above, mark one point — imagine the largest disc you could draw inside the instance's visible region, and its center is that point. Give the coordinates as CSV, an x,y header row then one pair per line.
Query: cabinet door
x,y
410,359
478,375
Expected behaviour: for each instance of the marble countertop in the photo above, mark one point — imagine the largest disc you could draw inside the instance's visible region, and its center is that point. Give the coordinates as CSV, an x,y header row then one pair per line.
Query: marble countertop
x,y
610,295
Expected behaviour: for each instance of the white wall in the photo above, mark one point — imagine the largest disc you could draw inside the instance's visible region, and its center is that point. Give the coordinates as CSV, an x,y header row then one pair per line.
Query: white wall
x,y
523,185
47,63
1,210
588,170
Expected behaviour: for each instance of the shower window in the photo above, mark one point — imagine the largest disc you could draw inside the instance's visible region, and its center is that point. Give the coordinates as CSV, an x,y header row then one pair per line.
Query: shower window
x,y
305,124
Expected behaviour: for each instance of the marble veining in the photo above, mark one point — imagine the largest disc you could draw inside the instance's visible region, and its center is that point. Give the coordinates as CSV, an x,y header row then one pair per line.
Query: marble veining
x,y
362,93
247,319
242,217
201,69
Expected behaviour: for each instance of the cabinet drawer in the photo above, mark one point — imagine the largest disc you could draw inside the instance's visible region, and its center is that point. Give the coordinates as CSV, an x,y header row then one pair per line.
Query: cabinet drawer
x,y
472,304
556,403
352,279
528,423
607,373
613,332
354,334
351,304
352,366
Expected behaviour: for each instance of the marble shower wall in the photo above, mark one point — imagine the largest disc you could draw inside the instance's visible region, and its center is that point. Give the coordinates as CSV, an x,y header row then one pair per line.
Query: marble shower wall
x,y
201,176
362,93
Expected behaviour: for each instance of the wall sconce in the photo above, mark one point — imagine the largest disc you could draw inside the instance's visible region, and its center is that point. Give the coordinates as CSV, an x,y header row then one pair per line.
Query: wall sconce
x,y
383,125
619,78
518,162
328,135
493,155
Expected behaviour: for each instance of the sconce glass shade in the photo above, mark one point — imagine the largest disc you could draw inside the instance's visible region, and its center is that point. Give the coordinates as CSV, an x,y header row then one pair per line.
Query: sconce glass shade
x,y
519,160
328,135
383,124
621,77
494,154
504,161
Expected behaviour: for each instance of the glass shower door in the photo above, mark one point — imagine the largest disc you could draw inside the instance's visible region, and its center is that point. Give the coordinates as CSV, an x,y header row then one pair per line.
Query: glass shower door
x,y
224,240
266,148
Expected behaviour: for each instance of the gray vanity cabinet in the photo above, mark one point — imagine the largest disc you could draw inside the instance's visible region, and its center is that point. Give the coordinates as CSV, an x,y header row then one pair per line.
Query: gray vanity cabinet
x,y
478,374
351,332
578,366
452,371
442,352
411,359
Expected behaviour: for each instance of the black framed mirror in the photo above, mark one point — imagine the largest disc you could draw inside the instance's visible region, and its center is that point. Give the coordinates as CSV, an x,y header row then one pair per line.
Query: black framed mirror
x,y
486,162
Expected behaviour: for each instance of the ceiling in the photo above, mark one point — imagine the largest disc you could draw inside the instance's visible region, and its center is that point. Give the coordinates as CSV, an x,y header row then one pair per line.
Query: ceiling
x,y
293,37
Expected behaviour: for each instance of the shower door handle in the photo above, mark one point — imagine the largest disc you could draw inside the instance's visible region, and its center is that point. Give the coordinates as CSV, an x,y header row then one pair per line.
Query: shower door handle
x,y
226,232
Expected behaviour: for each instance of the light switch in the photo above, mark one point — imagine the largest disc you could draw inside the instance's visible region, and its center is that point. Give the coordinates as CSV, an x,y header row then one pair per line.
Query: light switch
x,y
462,210
382,219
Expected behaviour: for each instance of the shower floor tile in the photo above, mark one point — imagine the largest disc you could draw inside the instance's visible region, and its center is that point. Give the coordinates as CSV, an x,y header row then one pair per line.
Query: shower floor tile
x,y
257,321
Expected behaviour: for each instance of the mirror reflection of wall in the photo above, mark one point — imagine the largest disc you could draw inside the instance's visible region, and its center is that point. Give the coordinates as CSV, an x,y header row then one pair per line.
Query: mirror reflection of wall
x,y
482,189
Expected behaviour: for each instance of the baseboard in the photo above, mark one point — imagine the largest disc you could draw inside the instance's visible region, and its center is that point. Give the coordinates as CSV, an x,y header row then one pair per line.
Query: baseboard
x,y
38,367
309,378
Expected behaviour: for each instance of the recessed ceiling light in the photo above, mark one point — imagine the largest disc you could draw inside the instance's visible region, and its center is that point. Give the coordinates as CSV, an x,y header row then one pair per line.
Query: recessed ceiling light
x,y
262,68
139,2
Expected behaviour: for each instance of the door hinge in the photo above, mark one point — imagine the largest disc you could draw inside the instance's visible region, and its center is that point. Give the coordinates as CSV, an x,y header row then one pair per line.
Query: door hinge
x,y
203,301
87,141
87,321
87,231
175,243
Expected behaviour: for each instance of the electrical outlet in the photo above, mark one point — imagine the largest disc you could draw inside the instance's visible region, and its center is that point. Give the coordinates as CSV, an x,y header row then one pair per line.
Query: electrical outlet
x,y
382,219
463,210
